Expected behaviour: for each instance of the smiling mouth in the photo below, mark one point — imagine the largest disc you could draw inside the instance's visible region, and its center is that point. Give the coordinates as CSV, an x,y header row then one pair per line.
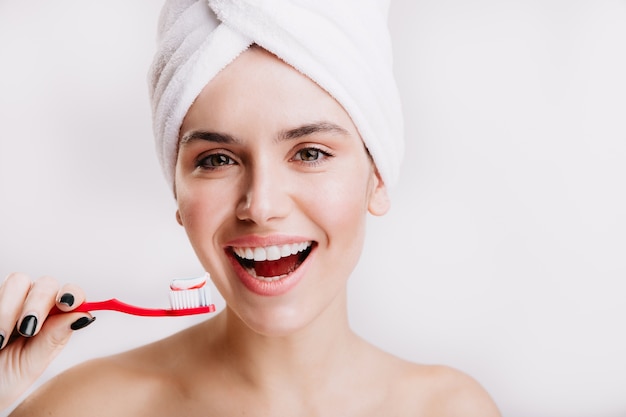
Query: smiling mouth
x,y
271,263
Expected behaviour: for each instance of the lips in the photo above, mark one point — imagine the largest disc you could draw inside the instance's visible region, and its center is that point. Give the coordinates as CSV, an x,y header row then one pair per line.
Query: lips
x,y
274,262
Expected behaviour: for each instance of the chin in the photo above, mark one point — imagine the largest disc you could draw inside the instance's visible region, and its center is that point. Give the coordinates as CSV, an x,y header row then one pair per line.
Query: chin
x,y
277,321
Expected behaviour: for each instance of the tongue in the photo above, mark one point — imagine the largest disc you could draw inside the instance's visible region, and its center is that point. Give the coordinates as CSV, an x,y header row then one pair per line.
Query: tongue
x,y
278,267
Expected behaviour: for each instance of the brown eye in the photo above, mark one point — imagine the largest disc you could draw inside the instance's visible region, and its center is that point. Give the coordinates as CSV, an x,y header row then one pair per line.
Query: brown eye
x,y
309,154
215,160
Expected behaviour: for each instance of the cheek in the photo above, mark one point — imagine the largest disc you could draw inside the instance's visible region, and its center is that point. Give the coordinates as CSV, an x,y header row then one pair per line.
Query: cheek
x,y
341,208
348,194
202,218
201,214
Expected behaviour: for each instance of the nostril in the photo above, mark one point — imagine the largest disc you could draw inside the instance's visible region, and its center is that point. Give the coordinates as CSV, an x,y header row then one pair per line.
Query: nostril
x,y
243,208
263,203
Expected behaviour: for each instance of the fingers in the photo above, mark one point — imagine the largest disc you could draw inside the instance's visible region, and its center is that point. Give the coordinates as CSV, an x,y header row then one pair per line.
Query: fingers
x,y
25,359
37,304
69,297
13,293
24,305
24,309
54,336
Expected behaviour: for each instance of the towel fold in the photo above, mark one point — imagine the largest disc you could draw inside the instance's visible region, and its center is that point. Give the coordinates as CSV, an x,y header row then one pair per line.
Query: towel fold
x,y
342,45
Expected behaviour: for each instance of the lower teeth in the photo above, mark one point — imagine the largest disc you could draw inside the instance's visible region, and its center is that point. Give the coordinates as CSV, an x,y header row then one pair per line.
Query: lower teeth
x,y
252,272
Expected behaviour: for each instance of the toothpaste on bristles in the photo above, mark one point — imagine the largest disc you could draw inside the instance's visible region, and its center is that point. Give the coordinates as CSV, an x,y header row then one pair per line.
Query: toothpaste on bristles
x,y
189,293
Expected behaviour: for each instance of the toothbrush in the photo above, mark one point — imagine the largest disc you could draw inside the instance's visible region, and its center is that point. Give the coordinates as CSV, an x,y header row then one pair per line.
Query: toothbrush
x,y
187,297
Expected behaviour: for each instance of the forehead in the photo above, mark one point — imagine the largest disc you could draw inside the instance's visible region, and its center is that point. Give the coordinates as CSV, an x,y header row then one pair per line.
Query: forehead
x,y
266,91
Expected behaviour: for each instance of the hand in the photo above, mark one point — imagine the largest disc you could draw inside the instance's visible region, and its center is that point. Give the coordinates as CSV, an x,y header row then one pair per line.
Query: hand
x,y
29,339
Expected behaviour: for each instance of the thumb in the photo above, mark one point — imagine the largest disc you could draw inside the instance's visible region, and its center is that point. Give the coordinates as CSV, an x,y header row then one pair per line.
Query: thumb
x,y
39,351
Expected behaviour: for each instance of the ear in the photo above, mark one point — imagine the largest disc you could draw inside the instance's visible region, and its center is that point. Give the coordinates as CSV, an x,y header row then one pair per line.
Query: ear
x,y
379,203
178,218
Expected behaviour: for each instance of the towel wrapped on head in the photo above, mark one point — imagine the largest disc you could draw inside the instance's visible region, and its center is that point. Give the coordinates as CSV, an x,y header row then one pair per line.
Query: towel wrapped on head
x,y
344,46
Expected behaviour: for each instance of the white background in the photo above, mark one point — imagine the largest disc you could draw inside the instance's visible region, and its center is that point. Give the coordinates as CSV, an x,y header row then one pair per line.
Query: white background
x,y
504,253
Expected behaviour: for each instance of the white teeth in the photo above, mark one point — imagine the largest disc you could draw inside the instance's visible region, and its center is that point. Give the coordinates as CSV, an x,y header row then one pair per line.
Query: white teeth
x,y
252,272
271,253
260,254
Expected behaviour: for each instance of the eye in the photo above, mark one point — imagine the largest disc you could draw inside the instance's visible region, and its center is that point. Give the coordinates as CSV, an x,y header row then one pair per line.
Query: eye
x,y
214,161
310,155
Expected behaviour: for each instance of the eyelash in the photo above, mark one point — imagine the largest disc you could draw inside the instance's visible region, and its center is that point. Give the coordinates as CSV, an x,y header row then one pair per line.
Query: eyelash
x,y
321,155
202,162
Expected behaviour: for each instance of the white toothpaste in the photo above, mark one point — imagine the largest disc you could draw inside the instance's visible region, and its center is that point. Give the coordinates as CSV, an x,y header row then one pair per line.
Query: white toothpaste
x,y
183,284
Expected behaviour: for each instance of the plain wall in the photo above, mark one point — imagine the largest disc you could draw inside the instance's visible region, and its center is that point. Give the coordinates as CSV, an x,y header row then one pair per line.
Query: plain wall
x,y
503,254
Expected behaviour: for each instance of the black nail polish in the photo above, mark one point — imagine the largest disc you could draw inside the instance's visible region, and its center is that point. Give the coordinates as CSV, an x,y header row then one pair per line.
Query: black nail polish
x,y
67,299
1,341
28,326
82,323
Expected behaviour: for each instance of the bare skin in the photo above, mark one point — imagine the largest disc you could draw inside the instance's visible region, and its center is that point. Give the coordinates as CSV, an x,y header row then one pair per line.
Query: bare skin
x,y
180,376
288,165
26,351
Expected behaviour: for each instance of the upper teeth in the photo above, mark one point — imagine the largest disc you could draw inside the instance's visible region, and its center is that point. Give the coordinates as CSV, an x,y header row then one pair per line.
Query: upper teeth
x,y
271,253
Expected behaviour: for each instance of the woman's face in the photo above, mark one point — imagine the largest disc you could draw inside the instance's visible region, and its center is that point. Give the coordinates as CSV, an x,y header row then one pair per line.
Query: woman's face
x,y
273,187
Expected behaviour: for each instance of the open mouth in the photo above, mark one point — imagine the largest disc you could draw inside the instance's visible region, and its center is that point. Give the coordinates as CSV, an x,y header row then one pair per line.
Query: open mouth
x,y
271,263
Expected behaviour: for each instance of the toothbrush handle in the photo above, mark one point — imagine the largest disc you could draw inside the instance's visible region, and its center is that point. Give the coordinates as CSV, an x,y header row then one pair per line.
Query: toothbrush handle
x,y
116,305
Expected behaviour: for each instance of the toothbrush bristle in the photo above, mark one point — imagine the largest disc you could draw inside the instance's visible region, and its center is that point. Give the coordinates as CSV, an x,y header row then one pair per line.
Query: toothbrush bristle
x,y
188,293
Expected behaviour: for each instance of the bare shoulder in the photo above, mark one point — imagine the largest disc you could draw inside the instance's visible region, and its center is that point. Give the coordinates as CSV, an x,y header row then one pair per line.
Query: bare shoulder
x,y
130,383
84,387
417,390
448,392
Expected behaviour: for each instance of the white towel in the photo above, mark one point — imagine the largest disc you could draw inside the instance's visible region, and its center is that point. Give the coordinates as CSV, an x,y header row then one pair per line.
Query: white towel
x,y
342,45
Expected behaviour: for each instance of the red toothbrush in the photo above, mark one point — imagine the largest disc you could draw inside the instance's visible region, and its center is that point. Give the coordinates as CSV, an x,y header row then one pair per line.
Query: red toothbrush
x,y
187,297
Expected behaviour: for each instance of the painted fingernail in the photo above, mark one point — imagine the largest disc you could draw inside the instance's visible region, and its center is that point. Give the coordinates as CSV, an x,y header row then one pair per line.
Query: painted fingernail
x,y
67,299
28,326
1,340
82,323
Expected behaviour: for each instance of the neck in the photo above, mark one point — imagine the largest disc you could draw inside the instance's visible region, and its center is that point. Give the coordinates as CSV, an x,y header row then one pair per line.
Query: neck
x,y
298,360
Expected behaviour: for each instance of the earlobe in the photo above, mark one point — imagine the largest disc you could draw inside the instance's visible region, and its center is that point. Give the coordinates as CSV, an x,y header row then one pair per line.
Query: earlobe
x,y
379,202
178,218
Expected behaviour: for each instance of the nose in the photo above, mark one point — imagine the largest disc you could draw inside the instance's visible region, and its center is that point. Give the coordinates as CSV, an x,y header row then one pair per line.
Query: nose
x,y
264,196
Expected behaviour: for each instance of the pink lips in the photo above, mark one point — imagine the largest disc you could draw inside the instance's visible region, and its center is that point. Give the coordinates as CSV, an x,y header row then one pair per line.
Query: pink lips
x,y
265,288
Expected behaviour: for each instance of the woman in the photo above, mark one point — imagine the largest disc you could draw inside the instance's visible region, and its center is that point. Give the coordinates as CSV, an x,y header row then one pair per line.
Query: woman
x,y
261,157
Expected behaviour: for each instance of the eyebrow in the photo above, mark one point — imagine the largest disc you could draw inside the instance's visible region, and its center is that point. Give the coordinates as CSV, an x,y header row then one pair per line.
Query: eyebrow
x,y
207,136
310,129
289,134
